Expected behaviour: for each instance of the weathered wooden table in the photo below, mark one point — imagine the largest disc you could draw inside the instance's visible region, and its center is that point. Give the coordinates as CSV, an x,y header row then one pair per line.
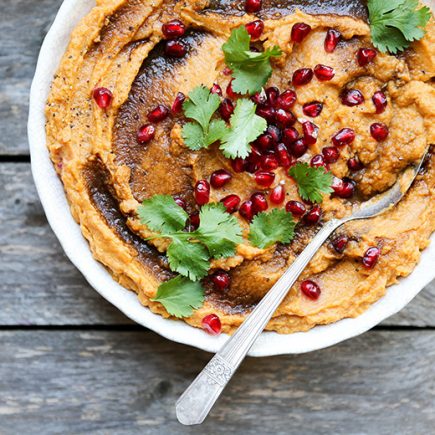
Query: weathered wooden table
x,y
71,363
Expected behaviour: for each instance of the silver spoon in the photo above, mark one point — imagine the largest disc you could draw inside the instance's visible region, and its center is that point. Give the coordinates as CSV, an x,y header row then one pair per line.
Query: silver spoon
x,y
196,402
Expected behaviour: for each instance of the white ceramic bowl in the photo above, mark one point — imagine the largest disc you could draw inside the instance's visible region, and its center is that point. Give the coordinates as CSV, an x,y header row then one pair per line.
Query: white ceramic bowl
x,y
53,199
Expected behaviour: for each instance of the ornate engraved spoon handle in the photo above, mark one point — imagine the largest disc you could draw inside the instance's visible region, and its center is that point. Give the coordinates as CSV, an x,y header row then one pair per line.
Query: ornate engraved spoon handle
x,y
196,402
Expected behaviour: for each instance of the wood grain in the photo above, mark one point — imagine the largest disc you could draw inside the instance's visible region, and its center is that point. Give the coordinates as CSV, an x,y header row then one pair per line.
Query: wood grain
x,y
39,286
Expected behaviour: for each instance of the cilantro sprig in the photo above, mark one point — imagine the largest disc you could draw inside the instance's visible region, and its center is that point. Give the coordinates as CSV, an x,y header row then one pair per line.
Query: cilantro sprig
x,y
251,70
312,182
394,24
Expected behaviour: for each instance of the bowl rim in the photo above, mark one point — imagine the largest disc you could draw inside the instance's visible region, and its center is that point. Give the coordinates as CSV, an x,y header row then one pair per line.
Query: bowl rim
x,y
53,199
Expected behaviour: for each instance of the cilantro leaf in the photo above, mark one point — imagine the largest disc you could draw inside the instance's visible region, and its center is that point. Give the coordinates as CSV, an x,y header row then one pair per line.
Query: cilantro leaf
x,y
312,182
251,70
269,228
218,230
396,23
246,126
180,296
161,213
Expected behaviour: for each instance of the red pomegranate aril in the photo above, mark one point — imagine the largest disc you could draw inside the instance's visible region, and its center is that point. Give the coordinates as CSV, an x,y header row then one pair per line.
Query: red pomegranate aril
x,y
354,164
221,280
351,97
343,188
299,32
298,148
259,202
194,220
317,161
252,6
264,141
266,112
302,76
202,192
310,289
255,29
226,109
345,136
324,73
259,98
175,48
380,101
269,162
146,133
365,56
272,93
216,89
339,243
158,114
227,71
284,118
277,195
286,100
219,178
212,324
275,133
331,154
312,109
313,216
332,39
246,210
296,208
103,97
290,135
180,202
230,92
177,105
379,131
371,257
264,178
238,164
173,29
284,158
231,203
311,132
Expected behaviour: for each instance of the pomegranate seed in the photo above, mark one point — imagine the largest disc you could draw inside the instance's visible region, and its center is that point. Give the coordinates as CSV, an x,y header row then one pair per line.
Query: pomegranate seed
x,y
173,29
299,32
351,97
365,56
230,92
302,76
221,280
146,133
290,135
194,220
277,195
380,101
342,188
379,131
202,192
284,157
158,114
259,202
238,164
286,100
246,210
345,136
219,178
216,89
255,29
252,6
317,161
296,208
231,203
267,112
253,162
339,243
269,162
311,131
283,118
227,71
272,94
332,39
212,324
310,289
226,109
259,98
180,202
264,178
175,48
275,133
103,97
354,164
312,109
298,148
330,154
324,73
264,141
313,216
177,105
371,257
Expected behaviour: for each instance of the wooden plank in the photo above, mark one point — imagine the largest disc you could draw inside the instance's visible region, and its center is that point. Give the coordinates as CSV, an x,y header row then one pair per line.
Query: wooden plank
x,y
128,382
38,284
23,25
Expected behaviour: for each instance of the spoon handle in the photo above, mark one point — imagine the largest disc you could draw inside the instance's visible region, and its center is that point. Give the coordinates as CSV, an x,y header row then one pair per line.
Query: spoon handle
x,y
196,402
